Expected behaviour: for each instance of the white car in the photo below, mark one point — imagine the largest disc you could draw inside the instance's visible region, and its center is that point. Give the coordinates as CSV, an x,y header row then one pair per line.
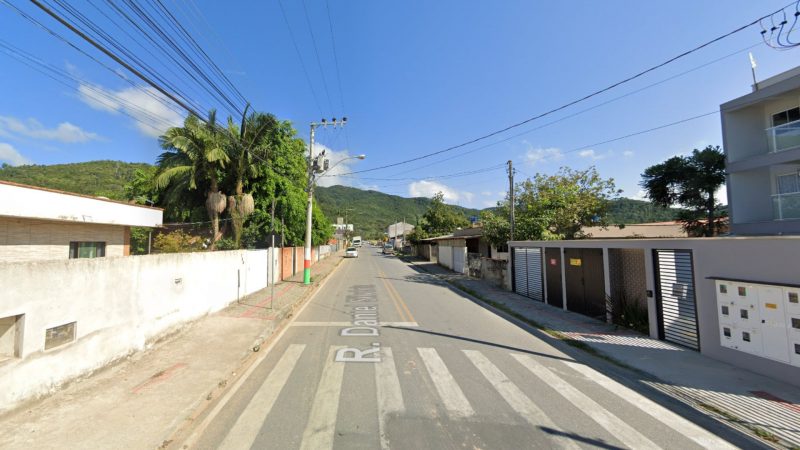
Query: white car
x,y
351,252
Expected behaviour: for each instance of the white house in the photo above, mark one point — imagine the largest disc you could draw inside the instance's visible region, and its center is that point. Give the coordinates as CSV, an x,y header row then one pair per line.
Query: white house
x,y
44,224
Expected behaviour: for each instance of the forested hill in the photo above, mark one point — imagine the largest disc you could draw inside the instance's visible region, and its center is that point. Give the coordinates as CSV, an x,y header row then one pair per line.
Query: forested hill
x,y
627,211
369,211
103,178
372,211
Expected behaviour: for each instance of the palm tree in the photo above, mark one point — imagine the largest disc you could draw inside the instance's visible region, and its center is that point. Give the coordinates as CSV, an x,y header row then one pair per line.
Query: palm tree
x,y
244,143
194,155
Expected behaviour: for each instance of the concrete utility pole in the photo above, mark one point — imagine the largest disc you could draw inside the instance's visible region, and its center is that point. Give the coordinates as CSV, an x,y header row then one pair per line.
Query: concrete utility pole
x,y
511,196
316,166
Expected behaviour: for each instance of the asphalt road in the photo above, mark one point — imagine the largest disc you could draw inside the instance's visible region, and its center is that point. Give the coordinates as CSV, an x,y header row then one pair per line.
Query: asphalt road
x,y
387,357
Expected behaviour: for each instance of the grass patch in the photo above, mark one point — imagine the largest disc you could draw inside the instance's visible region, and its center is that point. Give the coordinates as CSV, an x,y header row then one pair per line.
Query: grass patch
x,y
758,431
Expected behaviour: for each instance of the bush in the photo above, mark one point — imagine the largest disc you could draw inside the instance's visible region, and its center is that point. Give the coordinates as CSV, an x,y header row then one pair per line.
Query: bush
x,y
226,244
177,242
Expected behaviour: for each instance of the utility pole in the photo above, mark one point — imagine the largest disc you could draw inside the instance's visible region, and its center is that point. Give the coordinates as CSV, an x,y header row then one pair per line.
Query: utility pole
x,y
511,196
315,166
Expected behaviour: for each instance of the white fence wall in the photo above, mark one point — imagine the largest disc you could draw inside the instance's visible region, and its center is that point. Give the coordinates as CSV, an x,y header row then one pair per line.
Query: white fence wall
x,y
118,304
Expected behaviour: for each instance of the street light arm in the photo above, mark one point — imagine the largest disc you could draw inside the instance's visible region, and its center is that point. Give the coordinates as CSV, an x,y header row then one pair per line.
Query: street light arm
x,y
325,174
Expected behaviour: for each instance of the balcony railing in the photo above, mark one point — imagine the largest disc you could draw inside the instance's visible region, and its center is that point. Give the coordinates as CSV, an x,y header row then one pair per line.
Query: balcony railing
x,y
786,206
784,137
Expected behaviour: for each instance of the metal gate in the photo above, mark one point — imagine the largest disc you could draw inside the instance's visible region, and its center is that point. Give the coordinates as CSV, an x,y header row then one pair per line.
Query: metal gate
x,y
459,259
585,281
528,273
677,308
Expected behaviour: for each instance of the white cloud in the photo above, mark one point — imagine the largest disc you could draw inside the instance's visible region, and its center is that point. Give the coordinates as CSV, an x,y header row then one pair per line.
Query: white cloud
x,y
340,162
641,194
486,193
542,155
489,204
145,104
425,188
627,153
32,128
594,156
10,155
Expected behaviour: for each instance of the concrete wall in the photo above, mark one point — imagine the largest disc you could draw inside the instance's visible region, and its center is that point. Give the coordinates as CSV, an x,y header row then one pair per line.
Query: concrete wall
x,y
118,305
35,240
494,271
39,203
758,259
750,196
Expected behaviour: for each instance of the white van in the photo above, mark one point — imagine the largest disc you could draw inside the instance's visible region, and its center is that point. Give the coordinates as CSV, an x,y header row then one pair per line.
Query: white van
x,y
356,241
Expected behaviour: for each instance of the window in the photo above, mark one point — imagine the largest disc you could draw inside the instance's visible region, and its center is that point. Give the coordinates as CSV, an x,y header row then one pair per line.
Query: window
x,y
793,297
723,288
797,348
60,335
10,332
787,184
725,311
784,117
745,336
743,314
742,291
726,331
87,249
795,323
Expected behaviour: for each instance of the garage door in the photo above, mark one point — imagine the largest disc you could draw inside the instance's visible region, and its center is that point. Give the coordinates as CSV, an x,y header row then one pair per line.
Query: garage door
x,y
677,309
528,273
459,259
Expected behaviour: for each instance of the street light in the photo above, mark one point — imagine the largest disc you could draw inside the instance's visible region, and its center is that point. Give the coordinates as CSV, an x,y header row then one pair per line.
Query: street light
x,y
317,166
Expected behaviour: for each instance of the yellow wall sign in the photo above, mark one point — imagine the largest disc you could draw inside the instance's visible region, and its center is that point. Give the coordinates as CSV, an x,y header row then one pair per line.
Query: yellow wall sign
x,y
574,261
771,305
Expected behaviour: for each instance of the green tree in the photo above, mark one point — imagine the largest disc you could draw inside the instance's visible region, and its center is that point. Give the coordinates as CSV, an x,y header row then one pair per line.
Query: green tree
x,y
194,157
553,207
690,181
441,218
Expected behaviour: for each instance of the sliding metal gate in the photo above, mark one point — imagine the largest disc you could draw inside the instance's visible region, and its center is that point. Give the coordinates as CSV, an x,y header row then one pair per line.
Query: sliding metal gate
x,y
528,273
677,308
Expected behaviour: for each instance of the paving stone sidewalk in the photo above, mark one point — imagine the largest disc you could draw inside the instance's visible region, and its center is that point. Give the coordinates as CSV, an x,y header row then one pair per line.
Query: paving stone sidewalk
x,y
753,403
152,398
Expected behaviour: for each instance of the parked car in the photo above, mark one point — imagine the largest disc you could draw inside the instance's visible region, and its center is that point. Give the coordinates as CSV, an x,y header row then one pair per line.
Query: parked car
x,y
388,249
351,252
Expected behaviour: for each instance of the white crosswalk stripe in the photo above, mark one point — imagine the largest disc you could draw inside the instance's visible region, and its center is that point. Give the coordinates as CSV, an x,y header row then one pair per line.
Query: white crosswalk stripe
x,y
514,396
613,424
658,412
321,424
247,426
455,402
390,397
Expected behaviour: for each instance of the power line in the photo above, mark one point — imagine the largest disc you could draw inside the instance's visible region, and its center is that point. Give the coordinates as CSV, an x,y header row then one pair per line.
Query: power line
x,y
316,53
581,99
300,57
335,55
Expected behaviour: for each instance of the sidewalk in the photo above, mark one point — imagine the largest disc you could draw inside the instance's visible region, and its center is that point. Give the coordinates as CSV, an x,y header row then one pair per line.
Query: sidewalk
x,y
751,402
152,398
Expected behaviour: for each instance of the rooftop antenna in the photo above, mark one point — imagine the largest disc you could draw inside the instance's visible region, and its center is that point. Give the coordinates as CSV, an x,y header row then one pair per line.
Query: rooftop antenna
x,y
753,71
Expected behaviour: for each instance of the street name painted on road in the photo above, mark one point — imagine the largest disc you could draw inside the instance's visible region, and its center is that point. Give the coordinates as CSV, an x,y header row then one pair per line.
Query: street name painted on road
x,y
365,322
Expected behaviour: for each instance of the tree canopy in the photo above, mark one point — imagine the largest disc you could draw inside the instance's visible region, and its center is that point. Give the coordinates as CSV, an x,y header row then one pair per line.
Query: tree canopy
x,y
690,181
440,219
548,207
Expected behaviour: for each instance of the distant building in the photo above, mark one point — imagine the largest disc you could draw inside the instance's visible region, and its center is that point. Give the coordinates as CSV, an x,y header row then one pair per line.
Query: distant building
x,y
42,224
761,138
637,230
397,233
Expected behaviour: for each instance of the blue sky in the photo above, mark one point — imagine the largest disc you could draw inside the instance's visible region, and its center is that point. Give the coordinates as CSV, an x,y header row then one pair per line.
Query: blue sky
x,y
416,77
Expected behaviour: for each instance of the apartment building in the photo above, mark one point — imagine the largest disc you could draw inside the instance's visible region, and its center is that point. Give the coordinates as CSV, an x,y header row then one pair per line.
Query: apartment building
x,y
761,137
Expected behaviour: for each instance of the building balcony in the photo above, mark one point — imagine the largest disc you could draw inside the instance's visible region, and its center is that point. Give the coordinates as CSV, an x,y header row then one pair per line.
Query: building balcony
x,y
784,137
786,206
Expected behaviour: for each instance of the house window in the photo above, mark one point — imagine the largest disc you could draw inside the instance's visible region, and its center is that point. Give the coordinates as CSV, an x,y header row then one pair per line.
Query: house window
x,y
788,184
742,291
723,289
725,311
60,335
10,332
87,249
793,297
743,314
745,336
726,331
784,117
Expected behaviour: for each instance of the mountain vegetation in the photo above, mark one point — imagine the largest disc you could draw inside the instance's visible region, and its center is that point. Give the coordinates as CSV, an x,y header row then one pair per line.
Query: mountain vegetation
x,y
102,178
371,212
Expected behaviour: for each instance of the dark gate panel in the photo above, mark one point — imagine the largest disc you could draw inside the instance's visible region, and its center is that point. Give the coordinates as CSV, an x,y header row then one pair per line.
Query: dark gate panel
x,y
594,283
553,273
573,275
585,280
677,307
